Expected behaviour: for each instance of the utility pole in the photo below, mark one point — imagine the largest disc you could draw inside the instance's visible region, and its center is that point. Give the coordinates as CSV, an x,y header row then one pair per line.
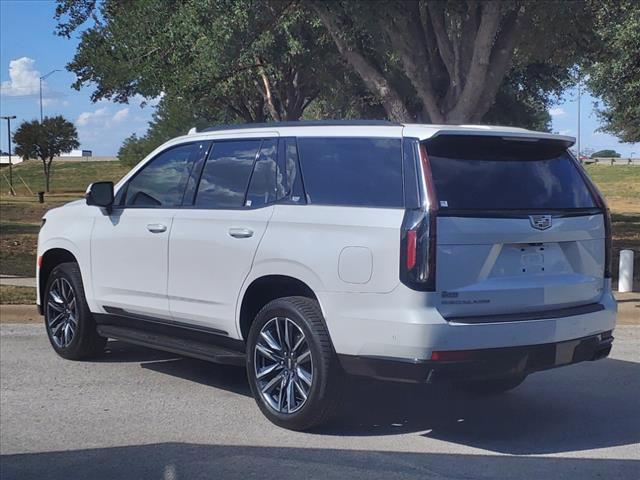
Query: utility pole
x,y
42,78
8,118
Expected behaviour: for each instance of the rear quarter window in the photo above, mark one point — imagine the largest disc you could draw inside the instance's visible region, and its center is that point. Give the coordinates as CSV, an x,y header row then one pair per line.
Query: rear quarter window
x,y
485,173
357,172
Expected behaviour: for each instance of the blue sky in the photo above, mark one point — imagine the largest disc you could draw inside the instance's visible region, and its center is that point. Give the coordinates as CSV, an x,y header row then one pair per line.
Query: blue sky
x,y
103,125
24,57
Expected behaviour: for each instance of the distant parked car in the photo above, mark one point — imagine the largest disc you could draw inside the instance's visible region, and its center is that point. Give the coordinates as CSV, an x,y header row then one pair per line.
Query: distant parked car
x,y
304,251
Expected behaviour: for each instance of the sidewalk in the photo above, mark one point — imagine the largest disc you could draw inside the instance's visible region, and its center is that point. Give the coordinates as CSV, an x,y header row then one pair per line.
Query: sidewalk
x,y
17,281
628,308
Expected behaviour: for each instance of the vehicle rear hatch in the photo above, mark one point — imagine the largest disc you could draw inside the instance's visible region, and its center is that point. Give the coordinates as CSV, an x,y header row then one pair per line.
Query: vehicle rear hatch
x,y
519,227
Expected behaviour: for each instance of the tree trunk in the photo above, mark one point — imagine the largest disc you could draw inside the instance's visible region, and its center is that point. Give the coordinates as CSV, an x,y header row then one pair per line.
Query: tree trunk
x,y
454,58
46,166
371,76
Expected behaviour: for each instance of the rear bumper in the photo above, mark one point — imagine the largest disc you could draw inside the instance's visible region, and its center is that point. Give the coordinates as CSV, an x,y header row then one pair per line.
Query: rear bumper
x,y
483,363
404,325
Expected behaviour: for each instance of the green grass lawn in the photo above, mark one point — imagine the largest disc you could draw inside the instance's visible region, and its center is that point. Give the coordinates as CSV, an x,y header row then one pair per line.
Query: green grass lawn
x,y
66,176
619,184
10,295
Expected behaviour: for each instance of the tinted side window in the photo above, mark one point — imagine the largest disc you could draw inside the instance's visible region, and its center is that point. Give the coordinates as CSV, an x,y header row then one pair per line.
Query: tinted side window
x,y
292,187
352,171
226,174
161,183
262,189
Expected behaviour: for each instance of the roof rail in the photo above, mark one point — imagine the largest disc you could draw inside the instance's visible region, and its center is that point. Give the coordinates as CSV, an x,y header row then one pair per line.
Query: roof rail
x,y
305,123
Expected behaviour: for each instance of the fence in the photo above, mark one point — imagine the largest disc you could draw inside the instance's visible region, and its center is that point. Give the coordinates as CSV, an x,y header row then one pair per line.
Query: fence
x,y
612,161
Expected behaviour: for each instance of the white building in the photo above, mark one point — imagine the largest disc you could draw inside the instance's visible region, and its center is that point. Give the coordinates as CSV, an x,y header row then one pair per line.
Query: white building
x,y
4,159
77,153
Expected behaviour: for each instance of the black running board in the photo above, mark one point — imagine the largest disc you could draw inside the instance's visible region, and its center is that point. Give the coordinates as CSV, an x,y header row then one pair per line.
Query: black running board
x,y
180,346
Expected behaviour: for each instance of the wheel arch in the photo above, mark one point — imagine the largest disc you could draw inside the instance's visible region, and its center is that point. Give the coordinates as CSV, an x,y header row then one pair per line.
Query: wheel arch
x,y
49,260
263,290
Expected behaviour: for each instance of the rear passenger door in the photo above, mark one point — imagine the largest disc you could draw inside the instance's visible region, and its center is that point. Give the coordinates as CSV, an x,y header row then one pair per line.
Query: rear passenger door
x,y
214,239
346,237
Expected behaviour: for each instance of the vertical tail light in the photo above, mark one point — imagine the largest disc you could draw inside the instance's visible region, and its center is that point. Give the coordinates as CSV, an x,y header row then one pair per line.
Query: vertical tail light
x,y
412,247
607,240
606,214
418,237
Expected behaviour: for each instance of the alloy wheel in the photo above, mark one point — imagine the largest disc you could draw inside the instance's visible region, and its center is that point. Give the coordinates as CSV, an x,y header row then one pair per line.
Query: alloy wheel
x,y
62,312
283,365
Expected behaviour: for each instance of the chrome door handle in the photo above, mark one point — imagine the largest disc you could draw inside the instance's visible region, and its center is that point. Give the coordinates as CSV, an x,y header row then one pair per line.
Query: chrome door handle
x,y
156,227
240,232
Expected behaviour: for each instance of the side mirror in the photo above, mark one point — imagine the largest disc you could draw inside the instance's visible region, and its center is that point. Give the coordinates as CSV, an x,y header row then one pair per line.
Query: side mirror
x,y
100,194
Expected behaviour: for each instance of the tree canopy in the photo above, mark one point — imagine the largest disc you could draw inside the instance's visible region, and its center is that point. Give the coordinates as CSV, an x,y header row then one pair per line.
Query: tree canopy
x,y
446,62
614,72
55,135
605,154
500,62
248,60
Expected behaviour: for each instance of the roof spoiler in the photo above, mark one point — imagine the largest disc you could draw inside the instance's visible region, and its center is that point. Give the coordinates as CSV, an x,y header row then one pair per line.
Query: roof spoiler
x,y
531,137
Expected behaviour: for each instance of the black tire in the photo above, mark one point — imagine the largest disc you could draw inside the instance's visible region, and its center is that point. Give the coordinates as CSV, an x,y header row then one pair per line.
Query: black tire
x,y
324,392
85,341
492,386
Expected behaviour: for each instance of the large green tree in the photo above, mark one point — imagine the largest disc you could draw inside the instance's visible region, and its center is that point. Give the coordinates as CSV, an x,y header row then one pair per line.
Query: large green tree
x,y
447,62
276,59
252,59
55,135
501,62
613,69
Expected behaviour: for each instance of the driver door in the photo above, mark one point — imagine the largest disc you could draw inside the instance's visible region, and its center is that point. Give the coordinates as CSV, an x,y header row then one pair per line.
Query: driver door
x,y
129,247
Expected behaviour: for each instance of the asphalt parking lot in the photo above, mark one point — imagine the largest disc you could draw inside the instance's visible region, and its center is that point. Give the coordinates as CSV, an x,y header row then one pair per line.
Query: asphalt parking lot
x,y
137,413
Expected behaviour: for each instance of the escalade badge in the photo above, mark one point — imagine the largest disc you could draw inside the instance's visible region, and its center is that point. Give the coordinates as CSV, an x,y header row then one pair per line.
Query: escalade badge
x,y
540,222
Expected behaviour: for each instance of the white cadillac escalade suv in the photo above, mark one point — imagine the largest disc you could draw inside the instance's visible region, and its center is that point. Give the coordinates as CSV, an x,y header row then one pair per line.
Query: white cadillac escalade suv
x,y
310,250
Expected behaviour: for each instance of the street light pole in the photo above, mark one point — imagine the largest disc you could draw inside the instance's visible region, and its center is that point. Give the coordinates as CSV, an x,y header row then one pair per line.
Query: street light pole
x,y
41,100
42,78
8,118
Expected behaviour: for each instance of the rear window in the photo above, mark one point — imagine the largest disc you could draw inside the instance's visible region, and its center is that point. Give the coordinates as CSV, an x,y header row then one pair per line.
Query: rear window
x,y
352,171
487,173
226,174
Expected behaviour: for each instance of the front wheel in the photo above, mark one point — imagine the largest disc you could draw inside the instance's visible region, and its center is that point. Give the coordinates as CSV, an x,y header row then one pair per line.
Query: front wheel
x,y
70,325
293,371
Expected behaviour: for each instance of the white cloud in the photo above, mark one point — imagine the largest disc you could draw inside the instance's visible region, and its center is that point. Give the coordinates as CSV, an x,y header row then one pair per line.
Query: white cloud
x,y
557,112
102,117
120,115
86,118
566,132
143,102
24,79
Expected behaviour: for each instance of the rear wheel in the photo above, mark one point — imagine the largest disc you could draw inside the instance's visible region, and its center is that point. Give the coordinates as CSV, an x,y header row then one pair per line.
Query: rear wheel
x,y
492,386
70,325
293,371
